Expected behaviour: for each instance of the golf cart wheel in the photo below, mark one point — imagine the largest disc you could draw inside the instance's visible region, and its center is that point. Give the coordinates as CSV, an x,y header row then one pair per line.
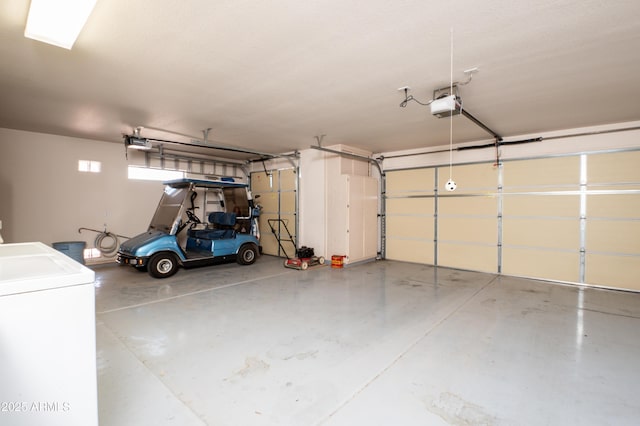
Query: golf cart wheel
x,y
247,254
163,265
321,260
304,266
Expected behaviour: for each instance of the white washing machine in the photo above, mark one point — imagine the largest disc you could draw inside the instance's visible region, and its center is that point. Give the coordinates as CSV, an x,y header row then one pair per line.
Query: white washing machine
x,y
47,338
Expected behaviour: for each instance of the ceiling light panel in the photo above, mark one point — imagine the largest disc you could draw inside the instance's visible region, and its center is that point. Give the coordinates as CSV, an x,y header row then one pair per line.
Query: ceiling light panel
x,y
57,22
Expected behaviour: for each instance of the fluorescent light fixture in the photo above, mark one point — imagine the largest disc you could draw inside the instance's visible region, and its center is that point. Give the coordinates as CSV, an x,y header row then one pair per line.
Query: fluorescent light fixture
x,y
57,22
143,173
146,147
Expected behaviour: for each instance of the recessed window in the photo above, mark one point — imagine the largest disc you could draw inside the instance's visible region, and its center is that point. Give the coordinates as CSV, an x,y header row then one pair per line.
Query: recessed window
x,y
89,166
143,173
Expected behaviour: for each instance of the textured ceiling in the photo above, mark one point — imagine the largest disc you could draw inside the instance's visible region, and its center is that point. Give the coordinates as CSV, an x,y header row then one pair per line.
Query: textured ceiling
x,y
269,76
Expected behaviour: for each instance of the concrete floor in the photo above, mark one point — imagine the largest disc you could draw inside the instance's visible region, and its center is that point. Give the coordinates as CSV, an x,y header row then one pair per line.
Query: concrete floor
x,y
382,343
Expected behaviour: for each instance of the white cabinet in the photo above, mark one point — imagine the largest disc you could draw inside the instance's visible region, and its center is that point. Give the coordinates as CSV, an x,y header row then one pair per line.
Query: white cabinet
x,y
352,217
47,338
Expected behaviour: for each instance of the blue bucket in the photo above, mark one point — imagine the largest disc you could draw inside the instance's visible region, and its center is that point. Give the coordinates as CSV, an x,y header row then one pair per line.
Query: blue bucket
x,y
73,249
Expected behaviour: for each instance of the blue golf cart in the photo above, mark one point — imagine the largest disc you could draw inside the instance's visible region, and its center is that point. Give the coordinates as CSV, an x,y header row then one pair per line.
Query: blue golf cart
x,y
177,236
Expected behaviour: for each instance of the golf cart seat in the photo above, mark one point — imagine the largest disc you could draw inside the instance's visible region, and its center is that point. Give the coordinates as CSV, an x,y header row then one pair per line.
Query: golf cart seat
x,y
222,227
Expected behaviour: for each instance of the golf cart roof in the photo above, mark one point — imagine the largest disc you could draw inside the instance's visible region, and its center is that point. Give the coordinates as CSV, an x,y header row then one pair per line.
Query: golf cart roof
x,y
178,183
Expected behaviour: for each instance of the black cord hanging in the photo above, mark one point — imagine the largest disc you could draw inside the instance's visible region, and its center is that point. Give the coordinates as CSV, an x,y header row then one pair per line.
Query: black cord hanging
x,y
408,97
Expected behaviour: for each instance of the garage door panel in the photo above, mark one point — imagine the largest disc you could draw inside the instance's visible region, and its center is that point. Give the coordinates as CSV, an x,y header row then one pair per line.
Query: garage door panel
x,y
289,249
410,181
290,221
468,229
560,171
468,205
410,227
541,205
614,206
268,237
269,244
260,182
544,233
473,257
288,202
546,264
269,202
613,167
263,220
423,206
613,271
471,177
541,190
596,189
407,250
287,180
613,236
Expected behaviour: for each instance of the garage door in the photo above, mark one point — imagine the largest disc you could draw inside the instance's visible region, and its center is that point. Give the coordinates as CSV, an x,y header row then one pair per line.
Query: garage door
x,y
277,191
573,218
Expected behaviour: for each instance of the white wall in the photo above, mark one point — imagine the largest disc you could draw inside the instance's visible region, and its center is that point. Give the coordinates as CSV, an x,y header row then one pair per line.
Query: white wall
x,y
43,196
313,226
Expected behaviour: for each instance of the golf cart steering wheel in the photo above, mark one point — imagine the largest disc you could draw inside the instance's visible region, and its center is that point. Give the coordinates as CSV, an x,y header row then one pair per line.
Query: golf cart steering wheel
x,y
192,217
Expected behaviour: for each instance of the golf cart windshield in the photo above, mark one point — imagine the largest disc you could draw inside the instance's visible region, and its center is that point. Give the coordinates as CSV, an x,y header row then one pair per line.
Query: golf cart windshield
x,y
168,213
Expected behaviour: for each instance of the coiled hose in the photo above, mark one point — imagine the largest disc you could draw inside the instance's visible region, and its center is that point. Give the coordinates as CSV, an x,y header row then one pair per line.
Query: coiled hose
x,y
106,249
106,242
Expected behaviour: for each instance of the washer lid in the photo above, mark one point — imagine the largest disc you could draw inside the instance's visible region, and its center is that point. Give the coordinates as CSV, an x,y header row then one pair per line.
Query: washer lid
x,y
27,267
